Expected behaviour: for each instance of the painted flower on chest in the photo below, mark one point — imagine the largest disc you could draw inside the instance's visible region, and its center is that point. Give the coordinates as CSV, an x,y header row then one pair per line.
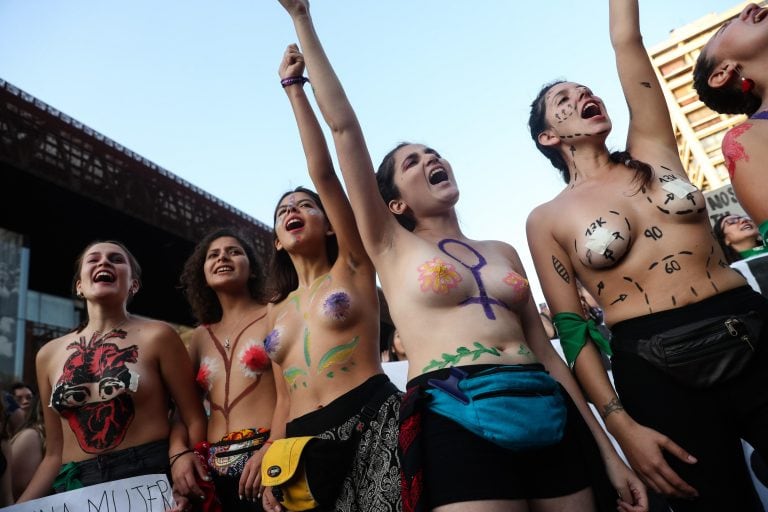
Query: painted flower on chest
x,y
518,283
206,374
438,276
272,342
336,305
253,359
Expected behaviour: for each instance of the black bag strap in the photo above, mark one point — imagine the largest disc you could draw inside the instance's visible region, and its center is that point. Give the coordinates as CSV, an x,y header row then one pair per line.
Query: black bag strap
x,y
370,409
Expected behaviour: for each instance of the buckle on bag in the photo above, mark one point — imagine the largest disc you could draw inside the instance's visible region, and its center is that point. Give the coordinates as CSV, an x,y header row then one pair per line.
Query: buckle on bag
x,y
451,384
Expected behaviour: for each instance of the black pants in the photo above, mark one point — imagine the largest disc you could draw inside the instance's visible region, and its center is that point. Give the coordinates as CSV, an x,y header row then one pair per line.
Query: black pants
x,y
145,459
708,423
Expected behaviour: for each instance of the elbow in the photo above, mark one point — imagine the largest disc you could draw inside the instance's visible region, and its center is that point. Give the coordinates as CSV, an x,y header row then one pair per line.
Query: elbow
x,y
627,39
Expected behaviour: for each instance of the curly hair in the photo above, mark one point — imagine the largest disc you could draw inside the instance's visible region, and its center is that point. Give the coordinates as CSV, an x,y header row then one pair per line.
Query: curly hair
x,y
537,123
729,99
282,274
201,297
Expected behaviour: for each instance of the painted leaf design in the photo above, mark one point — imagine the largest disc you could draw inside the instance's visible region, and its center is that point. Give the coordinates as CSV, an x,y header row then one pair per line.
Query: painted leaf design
x,y
337,354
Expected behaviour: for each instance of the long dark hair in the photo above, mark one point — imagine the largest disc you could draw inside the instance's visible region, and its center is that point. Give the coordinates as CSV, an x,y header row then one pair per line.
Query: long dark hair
x,y
728,99
730,253
282,274
537,123
385,178
132,261
202,299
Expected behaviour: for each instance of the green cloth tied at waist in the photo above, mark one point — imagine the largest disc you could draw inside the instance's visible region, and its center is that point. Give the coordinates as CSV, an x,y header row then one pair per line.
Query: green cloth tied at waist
x,y
572,330
68,478
763,228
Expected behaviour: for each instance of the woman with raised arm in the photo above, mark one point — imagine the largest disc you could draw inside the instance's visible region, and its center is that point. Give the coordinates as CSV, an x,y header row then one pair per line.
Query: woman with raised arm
x,y
224,283
108,387
325,335
465,314
687,354
731,77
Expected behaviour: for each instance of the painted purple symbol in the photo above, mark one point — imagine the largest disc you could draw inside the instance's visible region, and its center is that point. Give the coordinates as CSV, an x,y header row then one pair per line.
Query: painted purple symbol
x,y
483,299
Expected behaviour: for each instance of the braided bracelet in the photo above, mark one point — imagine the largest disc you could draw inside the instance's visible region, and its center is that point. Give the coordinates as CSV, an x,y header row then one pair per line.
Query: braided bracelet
x,y
176,457
291,80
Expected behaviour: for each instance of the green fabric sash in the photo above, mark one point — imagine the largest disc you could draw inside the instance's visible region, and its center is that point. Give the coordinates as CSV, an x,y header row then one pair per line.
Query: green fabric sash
x,y
573,330
763,228
67,479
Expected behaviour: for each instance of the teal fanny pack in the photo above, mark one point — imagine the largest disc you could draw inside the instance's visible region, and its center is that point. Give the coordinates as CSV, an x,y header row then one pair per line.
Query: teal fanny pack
x,y
517,407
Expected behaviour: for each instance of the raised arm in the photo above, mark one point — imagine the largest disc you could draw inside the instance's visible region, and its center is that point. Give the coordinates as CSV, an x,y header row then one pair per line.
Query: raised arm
x,y
642,446
376,224
319,162
649,121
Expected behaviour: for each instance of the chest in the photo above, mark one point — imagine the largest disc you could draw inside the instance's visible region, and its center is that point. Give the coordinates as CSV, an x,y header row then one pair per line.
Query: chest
x,y
601,227
327,308
96,369
454,273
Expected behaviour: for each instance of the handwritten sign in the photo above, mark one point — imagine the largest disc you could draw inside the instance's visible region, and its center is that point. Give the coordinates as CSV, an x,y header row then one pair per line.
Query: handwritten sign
x,y
146,493
721,202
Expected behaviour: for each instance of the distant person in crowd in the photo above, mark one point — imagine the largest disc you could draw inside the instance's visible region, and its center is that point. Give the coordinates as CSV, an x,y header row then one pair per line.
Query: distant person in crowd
x,y
739,238
224,283
464,312
731,77
744,249
13,415
27,448
6,493
326,320
638,237
23,395
125,369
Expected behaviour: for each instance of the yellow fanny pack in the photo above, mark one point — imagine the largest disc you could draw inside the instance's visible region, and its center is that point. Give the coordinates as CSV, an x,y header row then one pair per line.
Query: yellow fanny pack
x,y
306,472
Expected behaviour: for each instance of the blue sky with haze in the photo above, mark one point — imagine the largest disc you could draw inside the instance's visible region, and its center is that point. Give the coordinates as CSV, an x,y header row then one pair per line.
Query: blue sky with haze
x,y
192,85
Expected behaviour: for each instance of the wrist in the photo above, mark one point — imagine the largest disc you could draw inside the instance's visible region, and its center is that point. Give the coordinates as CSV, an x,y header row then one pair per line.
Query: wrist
x,y
293,80
618,422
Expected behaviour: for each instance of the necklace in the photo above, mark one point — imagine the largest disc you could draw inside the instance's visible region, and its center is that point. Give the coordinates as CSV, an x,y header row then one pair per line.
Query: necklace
x,y
113,329
227,342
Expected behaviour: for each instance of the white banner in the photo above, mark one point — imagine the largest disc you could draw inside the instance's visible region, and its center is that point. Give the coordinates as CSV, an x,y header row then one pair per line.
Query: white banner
x,y
146,493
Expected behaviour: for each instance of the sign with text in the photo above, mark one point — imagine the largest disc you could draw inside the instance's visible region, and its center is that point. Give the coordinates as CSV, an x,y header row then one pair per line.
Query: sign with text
x,y
146,493
722,201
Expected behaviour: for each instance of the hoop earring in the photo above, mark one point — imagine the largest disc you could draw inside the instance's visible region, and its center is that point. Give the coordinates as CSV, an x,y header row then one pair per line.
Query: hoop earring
x,y
79,294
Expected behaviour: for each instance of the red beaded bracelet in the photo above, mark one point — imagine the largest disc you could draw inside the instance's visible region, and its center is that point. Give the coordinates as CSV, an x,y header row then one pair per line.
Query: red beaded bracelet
x,y
291,80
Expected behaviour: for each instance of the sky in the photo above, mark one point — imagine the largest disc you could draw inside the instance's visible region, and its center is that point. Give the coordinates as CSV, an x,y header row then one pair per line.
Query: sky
x,y
192,85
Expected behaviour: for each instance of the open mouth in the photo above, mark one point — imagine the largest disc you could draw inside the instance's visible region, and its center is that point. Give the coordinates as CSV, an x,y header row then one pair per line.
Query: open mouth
x,y
590,110
224,268
437,175
103,277
294,224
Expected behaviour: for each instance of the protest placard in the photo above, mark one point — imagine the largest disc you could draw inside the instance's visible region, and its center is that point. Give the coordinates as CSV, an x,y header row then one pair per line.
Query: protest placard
x,y
146,493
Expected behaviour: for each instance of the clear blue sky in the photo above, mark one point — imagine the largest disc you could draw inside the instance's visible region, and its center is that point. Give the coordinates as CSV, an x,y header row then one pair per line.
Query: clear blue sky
x,y
192,85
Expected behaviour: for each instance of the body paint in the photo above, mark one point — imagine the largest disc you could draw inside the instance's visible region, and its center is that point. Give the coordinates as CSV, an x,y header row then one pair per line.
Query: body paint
x,y
733,151
461,353
92,393
483,299
438,276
